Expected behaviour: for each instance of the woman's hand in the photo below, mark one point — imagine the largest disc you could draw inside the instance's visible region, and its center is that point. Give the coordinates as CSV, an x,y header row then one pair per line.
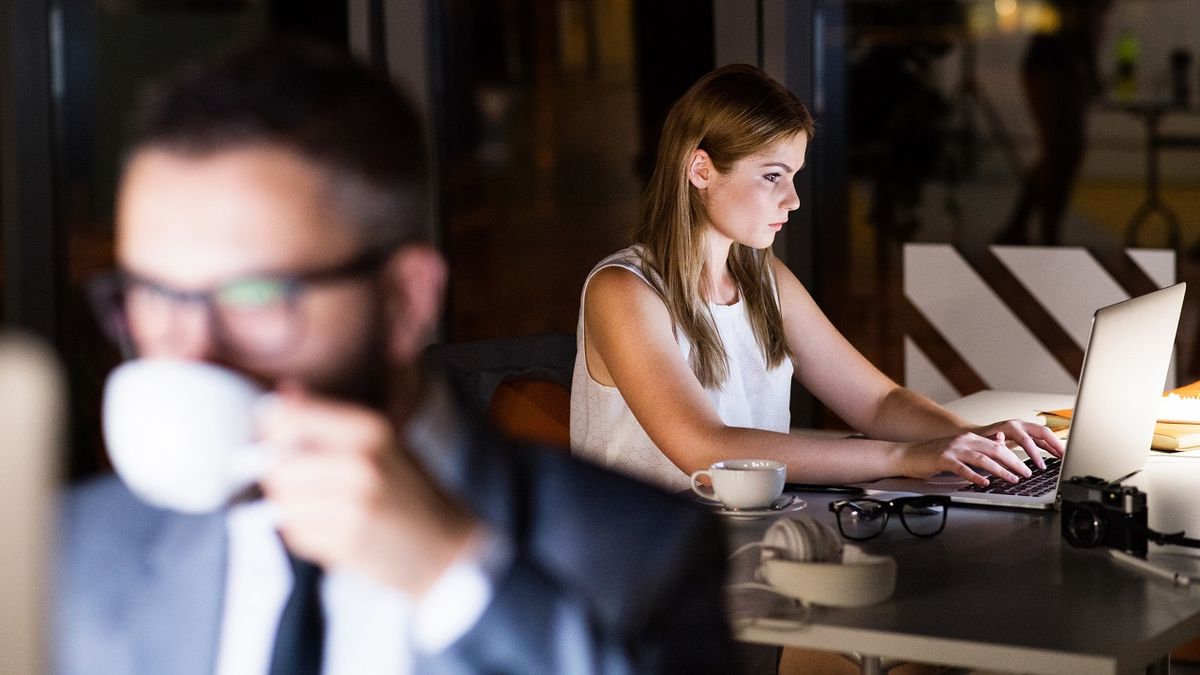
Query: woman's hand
x,y
958,454
1033,438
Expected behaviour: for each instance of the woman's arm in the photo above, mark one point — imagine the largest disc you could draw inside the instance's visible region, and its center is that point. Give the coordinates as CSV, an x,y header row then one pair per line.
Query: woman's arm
x,y
629,344
841,377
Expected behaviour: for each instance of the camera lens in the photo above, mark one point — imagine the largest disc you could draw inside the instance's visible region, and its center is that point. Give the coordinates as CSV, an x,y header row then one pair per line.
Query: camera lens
x,y
1085,527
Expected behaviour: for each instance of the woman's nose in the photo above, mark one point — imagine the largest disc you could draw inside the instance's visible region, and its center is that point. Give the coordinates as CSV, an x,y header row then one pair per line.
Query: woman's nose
x,y
791,200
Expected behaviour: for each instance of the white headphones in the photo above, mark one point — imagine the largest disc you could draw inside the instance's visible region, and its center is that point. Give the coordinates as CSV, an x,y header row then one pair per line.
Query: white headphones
x,y
806,560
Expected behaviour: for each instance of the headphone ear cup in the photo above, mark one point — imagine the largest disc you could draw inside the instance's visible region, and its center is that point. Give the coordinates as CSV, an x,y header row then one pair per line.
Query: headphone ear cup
x,y
805,559
803,539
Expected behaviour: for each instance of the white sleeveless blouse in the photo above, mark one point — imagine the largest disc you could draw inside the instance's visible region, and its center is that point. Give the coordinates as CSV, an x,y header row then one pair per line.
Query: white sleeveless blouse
x,y
603,428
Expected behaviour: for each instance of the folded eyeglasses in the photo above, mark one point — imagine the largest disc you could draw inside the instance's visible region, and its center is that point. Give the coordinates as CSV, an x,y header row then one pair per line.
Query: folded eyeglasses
x,y
864,518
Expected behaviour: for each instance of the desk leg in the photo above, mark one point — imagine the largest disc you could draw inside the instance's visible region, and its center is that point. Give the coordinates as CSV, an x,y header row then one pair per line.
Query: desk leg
x,y
1160,667
1153,202
872,665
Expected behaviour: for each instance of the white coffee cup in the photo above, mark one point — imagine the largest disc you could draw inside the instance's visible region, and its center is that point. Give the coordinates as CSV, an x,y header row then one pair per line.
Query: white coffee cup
x,y
180,433
743,483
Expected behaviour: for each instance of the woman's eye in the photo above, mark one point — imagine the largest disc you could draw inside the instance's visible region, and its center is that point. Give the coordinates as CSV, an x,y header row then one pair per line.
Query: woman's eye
x,y
772,177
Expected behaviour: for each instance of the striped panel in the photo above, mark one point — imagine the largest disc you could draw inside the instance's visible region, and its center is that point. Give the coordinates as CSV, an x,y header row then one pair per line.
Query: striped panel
x,y
1072,283
1159,266
977,324
1014,317
954,368
1060,279
919,368
1157,263
1016,296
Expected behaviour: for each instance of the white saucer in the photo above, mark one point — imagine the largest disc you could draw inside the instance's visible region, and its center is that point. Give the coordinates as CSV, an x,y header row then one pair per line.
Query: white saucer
x,y
786,504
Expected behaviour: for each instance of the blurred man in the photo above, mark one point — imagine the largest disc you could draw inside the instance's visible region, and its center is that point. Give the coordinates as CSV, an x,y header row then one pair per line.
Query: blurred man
x,y
269,221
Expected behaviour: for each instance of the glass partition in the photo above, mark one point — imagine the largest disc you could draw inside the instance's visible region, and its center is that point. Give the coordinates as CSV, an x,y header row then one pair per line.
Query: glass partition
x,y
1055,124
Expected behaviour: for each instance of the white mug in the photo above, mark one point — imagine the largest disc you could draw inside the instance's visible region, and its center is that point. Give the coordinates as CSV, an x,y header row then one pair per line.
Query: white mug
x,y
180,433
743,483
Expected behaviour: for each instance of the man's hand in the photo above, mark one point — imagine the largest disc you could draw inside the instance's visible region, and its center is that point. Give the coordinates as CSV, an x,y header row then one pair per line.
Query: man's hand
x,y
350,497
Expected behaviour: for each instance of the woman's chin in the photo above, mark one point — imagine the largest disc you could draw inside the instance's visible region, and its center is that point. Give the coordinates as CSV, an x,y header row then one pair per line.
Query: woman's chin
x,y
763,242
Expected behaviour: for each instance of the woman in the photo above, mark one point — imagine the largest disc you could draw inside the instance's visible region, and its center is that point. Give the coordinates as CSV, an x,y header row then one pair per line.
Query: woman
x,y
688,339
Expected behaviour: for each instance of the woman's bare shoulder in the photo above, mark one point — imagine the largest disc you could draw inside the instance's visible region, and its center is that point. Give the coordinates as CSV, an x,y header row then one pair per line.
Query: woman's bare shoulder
x,y
619,283
620,301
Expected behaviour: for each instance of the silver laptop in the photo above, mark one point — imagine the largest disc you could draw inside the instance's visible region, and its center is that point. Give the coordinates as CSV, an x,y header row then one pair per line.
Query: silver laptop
x,y
1116,406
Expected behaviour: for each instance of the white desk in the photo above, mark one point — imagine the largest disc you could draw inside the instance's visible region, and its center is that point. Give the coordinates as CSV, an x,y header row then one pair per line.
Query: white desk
x,y
999,590
989,406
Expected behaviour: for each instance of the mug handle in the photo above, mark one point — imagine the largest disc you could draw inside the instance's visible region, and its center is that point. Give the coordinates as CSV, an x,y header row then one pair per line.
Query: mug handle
x,y
706,492
249,463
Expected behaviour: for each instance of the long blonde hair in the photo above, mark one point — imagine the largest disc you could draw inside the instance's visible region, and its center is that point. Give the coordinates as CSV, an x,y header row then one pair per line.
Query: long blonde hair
x,y
730,113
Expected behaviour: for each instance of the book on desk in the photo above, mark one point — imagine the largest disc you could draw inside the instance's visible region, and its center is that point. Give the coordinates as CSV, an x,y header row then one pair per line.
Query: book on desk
x,y
1178,426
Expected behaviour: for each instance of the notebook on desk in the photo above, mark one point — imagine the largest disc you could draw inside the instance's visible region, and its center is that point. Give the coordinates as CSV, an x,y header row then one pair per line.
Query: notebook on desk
x,y
1116,406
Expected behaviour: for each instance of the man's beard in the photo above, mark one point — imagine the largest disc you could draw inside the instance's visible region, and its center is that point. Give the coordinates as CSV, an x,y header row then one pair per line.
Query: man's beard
x,y
367,378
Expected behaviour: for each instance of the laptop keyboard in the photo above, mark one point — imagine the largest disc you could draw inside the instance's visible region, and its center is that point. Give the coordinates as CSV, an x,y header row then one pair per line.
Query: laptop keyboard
x,y
1036,485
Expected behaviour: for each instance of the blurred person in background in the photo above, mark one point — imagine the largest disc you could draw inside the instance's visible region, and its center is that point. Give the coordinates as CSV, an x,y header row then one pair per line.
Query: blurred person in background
x,y
270,222
1060,76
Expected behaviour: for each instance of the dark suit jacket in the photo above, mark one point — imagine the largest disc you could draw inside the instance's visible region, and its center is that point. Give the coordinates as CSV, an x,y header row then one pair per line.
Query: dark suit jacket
x,y
609,576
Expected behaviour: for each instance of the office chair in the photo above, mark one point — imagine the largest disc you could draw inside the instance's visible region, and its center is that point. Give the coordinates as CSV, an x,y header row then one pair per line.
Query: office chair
x,y
521,384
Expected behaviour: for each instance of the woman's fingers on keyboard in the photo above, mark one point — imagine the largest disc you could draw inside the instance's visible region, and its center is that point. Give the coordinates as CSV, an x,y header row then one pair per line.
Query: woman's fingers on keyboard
x,y
1029,445
1055,450
1000,453
1047,439
966,472
1033,438
999,461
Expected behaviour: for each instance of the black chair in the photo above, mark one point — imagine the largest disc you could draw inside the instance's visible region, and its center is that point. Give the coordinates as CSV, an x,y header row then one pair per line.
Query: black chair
x,y
521,384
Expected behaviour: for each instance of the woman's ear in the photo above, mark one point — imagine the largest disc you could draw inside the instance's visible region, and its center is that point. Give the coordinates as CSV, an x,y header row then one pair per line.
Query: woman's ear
x,y
699,169
416,284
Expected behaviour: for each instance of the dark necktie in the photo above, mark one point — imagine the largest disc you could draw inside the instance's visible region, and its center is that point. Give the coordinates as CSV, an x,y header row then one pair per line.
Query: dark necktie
x,y
300,637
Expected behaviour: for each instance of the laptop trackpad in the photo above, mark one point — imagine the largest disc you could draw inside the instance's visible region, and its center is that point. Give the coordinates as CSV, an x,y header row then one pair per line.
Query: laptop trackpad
x,y
947,478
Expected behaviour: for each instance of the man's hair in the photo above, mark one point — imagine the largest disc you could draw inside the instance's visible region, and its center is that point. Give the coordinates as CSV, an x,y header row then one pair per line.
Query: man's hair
x,y
311,100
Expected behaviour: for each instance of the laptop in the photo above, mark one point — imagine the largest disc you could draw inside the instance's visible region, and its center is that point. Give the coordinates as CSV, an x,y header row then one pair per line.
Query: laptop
x,y
1116,406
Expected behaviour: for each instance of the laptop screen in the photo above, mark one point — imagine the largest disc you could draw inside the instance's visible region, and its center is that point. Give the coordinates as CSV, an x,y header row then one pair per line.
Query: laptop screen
x,y
1123,377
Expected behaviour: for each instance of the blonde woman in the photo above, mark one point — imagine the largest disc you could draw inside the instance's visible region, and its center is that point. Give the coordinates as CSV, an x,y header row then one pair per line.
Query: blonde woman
x,y
688,340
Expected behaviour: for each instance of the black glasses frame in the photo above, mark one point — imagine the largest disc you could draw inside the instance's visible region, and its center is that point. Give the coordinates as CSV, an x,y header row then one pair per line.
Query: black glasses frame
x,y
891,506
106,292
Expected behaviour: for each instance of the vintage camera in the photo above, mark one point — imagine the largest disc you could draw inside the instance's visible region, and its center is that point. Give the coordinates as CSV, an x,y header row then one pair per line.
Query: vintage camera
x,y
1098,513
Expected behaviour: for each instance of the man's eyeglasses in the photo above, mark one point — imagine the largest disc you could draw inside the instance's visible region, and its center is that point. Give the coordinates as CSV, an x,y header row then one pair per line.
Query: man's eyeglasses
x,y
252,316
864,518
